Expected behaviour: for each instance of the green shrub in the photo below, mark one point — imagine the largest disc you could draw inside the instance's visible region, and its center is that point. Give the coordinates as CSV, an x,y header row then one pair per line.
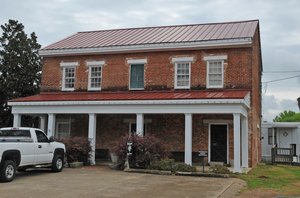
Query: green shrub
x,y
220,169
78,149
145,150
171,165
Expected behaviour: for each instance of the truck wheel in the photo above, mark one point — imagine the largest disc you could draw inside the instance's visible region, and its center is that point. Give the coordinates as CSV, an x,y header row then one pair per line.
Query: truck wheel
x,y
8,171
57,163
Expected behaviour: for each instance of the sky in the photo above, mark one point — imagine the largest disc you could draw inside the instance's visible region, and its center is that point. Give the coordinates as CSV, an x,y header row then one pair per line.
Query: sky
x,y
279,21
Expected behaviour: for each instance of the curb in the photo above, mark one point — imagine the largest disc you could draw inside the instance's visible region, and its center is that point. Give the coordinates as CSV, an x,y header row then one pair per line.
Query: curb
x,y
157,172
194,174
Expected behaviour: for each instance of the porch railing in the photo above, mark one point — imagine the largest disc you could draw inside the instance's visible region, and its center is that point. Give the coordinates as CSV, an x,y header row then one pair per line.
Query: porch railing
x,y
282,155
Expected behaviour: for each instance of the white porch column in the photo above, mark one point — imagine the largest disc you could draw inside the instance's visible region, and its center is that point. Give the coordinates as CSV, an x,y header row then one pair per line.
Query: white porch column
x,y
245,136
42,123
273,137
236,142
140,124
92,136
17,120
51,124
188,139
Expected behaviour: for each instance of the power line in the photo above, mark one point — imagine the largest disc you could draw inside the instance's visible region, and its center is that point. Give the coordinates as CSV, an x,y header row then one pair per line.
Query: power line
x,y
280,79
281,71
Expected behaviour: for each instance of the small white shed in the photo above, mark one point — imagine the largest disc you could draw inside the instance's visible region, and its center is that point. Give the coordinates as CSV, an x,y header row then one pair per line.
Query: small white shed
x,y
281,134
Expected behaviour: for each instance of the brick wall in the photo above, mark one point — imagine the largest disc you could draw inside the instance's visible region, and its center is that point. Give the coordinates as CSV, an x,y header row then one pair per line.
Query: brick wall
x,y
159,70
242,69
255,111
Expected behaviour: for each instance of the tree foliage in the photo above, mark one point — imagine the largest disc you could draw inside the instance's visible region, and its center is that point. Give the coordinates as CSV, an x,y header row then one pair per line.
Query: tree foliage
x,y
20,66
287,116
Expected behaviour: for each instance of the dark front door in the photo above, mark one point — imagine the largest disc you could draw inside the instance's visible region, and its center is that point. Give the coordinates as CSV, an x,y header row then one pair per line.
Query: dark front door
x,y
218,143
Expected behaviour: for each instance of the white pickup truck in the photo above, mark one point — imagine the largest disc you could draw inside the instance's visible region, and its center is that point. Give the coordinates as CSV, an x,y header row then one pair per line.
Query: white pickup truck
x,y
22,148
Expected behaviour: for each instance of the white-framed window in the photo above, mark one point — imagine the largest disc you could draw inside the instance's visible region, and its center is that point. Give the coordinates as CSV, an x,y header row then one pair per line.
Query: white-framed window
x,y
182,76
215,71
68,77
63,128
137,77
95,74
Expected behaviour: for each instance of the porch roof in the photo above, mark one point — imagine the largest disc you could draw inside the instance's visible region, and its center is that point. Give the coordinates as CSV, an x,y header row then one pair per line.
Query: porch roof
x,y
134,95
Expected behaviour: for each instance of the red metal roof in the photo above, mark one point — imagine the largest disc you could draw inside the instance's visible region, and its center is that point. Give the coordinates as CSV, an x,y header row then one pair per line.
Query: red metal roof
x,y
157,35
137,95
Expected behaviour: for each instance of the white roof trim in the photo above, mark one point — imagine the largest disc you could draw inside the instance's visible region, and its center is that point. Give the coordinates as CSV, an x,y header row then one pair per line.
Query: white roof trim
x,y
137,61
151,47
213,57
69,64
95,63
125,102
182,59
281,124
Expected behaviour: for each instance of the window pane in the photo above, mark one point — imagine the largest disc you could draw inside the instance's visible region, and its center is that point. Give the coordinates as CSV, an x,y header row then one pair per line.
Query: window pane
x,y
63,129
95,77
215,75
137,76
15,133
183,74
69,77
41,137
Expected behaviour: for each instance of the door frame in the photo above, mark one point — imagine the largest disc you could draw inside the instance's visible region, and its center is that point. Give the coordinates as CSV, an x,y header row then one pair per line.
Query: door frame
x,y
209,139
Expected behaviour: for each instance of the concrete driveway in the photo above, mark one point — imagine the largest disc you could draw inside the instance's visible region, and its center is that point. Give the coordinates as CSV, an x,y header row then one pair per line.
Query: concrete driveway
x,y
100,181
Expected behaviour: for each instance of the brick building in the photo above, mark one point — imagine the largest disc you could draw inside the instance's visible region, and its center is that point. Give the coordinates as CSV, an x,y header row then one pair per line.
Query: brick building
x,y
197,87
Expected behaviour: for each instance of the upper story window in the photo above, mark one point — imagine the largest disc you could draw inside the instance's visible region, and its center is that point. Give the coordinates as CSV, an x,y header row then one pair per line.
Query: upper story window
x,y
68,77
136,81
182,72
95,74
215,71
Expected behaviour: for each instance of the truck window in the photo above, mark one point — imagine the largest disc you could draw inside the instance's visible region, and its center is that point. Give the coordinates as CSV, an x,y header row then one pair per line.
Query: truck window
x,y
41,137
15,133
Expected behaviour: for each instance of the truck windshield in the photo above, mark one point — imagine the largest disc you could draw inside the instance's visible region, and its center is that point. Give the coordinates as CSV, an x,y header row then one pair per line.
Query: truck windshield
x,y
15,133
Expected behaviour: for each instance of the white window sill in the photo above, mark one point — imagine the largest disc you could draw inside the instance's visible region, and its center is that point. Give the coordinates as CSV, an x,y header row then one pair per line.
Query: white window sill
x,y
182,87
213,87
133,89
68,89
94,89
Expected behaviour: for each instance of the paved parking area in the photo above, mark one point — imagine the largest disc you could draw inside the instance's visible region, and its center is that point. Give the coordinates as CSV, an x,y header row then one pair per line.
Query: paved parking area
x,y
100,181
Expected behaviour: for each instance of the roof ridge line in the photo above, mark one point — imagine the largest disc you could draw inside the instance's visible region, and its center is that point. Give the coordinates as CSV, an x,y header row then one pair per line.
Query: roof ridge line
x,y
166,26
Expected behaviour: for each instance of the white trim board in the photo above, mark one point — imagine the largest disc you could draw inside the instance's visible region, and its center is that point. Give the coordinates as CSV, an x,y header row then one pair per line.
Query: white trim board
x,y
95,63
182,59
126,102
134,109
69,64
225,43
137,61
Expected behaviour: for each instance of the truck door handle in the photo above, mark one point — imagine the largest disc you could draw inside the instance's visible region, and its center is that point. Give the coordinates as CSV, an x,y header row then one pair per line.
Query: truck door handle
x,y
40,146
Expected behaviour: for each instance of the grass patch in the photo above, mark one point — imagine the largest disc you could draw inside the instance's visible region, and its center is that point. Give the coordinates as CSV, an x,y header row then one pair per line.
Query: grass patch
x,y
281,178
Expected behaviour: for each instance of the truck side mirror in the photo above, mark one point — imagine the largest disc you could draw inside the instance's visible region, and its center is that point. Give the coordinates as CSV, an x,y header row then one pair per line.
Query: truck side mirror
x,y
51,139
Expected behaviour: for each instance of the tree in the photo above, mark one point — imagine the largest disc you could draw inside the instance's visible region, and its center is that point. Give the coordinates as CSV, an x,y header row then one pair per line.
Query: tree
x,y
20,67
287,116
298,100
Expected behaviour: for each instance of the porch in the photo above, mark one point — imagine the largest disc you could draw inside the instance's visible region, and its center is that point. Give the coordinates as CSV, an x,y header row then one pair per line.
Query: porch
x,y
186,123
